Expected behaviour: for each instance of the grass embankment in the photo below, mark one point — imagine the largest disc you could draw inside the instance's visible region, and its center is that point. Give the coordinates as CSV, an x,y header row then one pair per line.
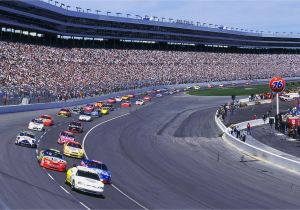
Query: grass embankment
x,y
238,91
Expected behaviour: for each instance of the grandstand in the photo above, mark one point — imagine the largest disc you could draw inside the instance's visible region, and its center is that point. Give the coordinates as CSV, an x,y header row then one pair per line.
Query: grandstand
x,y
55,25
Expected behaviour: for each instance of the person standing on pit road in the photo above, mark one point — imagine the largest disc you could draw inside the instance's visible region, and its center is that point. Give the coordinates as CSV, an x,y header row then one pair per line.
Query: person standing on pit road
x,y
248,129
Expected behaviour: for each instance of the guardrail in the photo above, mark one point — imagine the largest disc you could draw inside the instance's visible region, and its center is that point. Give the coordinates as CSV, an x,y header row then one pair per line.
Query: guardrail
x,y
282,160
53,105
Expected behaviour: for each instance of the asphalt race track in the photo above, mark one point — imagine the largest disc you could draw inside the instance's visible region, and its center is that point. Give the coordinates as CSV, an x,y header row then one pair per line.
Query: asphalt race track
x,y
165,155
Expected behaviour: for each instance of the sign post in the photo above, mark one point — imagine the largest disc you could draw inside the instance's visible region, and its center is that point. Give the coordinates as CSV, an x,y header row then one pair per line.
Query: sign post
x,y
277,85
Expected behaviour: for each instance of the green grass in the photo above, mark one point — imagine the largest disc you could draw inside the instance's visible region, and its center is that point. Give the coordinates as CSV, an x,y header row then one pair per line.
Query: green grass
x,y
238,91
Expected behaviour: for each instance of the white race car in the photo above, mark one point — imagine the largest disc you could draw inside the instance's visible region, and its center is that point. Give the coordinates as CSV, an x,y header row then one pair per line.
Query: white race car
x,y
36,124
86,118
26,138
140,102
84,179
158,95
118,99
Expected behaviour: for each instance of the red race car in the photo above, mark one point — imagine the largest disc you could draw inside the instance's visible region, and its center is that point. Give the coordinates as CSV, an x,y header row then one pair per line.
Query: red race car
x,y
47,120
147,98
88,108
111,100
52,159
125,104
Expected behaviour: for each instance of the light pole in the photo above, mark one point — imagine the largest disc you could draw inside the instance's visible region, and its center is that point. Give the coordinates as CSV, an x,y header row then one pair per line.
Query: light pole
x,y
87,10
78,9
56,2
107,13
162,19
62,5
170,19
118,14
127,15
68,7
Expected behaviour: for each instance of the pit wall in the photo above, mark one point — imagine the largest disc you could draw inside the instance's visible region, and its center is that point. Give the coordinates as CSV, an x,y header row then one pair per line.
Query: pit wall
x,y
259,151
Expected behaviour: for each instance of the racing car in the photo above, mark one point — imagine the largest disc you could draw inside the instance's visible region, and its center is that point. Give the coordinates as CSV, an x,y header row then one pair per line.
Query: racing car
x,y
47,120
26,138
52,159
65,137
96,113
109,106
126,104
118,99
85,117
99,167
88,108
36,124
125,98
111,100
104,111
99,104
64,113
147,98
158,95
77,110
131,95
75,127
85,180
73,149
140,102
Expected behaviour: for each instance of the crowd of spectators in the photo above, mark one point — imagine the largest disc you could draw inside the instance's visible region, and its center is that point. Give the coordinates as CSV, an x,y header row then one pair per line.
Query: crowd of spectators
x,y
63,73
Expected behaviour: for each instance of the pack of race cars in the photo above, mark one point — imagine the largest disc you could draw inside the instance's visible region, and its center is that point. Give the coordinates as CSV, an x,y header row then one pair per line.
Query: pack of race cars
x,y
91,175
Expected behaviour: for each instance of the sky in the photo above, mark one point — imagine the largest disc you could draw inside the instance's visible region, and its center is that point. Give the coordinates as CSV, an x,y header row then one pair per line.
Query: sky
x,y
262,15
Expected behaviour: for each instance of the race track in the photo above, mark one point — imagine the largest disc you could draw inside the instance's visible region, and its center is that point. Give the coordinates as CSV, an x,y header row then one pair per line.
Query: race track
x,y
165,155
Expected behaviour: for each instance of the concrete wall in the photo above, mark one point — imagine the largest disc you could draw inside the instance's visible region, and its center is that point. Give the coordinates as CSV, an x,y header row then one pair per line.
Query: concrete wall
x,y
280,159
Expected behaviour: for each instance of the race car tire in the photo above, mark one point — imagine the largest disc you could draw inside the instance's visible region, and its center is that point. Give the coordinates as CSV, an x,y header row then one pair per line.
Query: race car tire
x,y
73,185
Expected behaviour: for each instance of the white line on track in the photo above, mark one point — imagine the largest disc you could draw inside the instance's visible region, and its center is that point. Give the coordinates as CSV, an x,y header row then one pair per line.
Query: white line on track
x,y
106,121
50,176
127,196
84,206
115,187
64,189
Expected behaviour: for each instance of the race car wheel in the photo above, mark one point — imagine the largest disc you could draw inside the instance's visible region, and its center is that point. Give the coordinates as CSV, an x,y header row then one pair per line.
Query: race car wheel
x,y
73,185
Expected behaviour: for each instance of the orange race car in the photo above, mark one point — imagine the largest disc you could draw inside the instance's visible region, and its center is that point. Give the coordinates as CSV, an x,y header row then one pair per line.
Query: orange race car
x,y
47,120
99,104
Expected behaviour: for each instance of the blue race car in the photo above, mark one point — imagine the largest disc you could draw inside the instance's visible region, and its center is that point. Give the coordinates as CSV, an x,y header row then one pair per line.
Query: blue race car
x,y
94,113
99,167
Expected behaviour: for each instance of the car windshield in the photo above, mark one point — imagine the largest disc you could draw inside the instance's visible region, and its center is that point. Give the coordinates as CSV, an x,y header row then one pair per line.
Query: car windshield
x,y
38,121
64,110
75,123
97,165
53,154
46,117
75,145
88,175
67,135
27,134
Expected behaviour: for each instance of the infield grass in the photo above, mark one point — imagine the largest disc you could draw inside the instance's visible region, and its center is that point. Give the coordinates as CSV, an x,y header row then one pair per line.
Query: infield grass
x,y
238,91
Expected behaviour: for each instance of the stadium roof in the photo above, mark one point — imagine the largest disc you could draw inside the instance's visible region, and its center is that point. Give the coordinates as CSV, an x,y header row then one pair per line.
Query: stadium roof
x,y
54,21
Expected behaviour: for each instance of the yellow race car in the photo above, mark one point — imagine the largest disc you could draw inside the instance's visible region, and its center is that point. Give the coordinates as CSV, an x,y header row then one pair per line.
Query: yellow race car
x,y
104,110
125,98
73,149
